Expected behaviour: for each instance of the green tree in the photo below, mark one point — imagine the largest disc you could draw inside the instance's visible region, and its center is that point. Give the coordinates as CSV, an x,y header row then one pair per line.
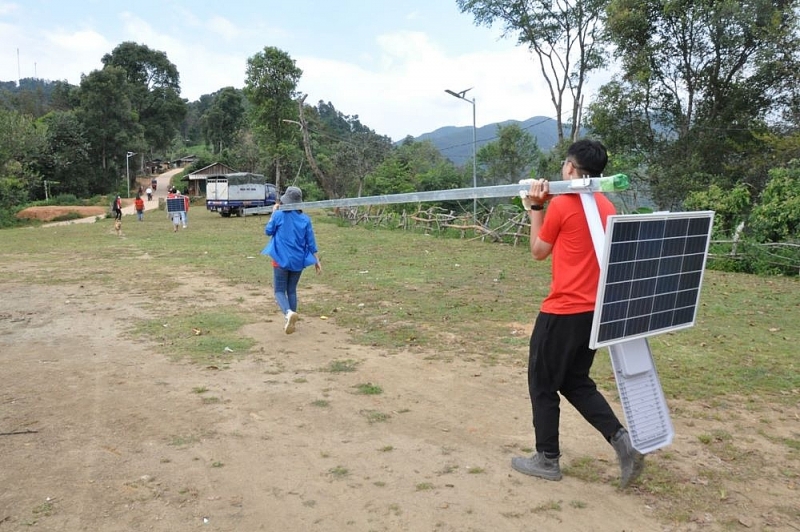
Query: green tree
x,y
697,80
776,217
65,159
153,85
110,124
565,35
414,167
271,87
509,158
223,120
346,149
730,207
21,145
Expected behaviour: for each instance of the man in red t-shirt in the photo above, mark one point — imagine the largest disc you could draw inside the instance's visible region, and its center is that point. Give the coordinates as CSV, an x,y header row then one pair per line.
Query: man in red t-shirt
x,y
559,357
139,206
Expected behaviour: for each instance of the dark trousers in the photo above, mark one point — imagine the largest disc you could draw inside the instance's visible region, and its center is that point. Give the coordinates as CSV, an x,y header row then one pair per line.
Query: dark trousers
x,y
560,361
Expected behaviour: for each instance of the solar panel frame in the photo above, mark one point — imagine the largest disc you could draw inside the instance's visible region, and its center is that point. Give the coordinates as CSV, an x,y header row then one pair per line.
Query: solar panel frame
x,y
651,272
176,204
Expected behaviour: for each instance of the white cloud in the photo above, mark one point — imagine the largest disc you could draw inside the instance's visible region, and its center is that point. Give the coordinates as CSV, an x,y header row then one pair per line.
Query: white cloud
x,y
395,83
7,8
402,91
223,27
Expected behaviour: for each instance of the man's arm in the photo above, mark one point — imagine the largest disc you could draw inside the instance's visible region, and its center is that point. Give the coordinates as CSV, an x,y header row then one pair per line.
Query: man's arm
x,y
538,195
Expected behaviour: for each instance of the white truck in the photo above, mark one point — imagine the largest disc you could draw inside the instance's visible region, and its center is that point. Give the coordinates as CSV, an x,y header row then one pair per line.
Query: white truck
x,y
230,194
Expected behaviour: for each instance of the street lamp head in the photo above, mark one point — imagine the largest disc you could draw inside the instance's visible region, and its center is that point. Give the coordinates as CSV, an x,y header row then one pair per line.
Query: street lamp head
x,y
131,154
460,94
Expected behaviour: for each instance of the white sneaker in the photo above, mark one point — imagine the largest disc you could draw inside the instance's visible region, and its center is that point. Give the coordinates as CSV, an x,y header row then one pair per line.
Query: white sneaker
x,y
291,321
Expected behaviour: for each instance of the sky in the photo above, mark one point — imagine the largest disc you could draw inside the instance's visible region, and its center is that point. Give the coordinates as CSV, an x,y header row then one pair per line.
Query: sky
x,y
387,61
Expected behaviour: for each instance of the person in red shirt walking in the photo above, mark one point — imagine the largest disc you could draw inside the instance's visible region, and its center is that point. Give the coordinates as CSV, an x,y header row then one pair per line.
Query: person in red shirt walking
x,y
559,358
138,204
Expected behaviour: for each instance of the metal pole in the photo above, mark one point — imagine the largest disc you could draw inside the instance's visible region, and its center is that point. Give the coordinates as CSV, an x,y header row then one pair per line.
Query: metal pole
x,y
128,170
474,163
614,183
462,96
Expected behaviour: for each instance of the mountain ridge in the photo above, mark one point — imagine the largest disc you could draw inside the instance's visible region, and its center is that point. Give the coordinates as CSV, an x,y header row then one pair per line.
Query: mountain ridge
x,y
455,142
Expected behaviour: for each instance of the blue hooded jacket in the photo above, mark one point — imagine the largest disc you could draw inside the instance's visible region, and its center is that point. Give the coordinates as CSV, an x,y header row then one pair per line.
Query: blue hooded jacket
x,y
293,244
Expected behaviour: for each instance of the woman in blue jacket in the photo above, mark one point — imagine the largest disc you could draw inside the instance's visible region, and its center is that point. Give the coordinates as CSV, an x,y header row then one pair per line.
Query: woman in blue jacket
x,y
293,247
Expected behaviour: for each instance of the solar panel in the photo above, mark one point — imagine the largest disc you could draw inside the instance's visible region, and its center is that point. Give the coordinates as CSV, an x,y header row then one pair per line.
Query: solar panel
x,y
175,204
650,275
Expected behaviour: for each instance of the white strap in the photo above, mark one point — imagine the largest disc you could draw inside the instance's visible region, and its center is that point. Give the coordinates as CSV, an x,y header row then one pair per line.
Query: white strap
x,y
595,225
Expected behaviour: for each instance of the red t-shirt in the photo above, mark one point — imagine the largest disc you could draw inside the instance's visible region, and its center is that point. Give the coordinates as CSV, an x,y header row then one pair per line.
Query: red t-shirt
x,y
139,204
575,270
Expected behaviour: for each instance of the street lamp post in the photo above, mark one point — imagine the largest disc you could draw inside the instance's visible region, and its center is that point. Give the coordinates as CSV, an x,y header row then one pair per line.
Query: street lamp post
x,y
128,171
461,96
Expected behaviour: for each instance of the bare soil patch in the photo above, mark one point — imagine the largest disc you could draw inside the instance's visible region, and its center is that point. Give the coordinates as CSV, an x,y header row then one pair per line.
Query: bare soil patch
x,y
102,431
47,213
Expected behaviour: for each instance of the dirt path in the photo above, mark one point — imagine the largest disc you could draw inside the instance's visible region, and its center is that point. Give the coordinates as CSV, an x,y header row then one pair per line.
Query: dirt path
x,y
128,209
102,433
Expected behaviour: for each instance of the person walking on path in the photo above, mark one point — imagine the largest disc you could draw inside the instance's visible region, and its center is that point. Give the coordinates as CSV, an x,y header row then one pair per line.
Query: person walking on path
x,y
149,192
116,208
138,204
185,213
175,216
559,358
293,247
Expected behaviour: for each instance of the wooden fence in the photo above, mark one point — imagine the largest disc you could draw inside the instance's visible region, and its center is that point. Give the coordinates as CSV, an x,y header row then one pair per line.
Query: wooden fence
x,y
508,224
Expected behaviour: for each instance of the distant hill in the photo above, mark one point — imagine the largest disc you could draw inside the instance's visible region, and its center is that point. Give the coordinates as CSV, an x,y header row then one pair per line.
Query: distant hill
x,y
455,143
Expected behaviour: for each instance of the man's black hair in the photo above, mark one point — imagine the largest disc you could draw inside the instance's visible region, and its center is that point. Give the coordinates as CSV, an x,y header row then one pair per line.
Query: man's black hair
x,y
589,155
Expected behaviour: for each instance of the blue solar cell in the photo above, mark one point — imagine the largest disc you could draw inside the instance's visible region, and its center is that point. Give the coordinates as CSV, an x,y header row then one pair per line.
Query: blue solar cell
x,y
663,302
676,227
645,268
622,252
648,249
626,233
621,271
643,287
670,265
651,230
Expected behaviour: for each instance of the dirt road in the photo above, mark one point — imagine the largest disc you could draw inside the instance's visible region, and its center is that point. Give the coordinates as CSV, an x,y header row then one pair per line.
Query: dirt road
x,y
129,210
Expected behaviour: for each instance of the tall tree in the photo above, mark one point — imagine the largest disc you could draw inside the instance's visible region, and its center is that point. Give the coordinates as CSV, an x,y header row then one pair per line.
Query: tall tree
x,y
565,35
109,122
154,91
344,148
21,144
509,158
223,119
698,79
65,160
271,86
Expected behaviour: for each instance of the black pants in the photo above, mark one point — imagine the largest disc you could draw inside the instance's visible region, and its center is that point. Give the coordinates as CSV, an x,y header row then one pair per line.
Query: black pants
x,y
560,361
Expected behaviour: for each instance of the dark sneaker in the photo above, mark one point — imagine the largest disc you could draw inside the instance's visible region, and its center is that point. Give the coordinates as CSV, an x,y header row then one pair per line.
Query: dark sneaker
x,y
537,465
631,461
291,322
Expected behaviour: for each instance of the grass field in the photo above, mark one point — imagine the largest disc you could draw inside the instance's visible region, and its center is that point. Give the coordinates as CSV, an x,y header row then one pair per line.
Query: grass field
x,y
449,298
456,296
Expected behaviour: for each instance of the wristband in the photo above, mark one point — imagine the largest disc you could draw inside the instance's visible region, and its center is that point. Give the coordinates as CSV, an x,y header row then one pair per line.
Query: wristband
x,y
535,207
